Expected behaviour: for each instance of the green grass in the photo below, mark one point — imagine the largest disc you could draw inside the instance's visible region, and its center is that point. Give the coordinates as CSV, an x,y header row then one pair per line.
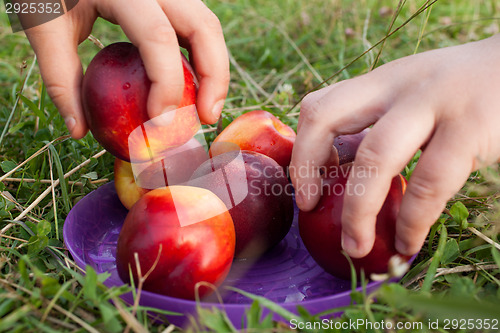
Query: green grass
x,y
280,50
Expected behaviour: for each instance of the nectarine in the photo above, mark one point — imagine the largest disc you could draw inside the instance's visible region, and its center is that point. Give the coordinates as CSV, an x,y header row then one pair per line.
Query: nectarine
x,y
133,180
258,131
184,234
320,229
257,192
347,145
115,90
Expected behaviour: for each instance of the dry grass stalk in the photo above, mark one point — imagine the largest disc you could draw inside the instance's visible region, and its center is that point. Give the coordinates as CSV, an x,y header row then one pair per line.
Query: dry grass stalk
x,y
96,41
141,280
48,190
465,269
48,181
38,152
484,237
129,318
453,270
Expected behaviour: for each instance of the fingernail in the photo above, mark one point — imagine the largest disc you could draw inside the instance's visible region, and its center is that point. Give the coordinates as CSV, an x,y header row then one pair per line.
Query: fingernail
x,y
70,123
401,246
217,109
349,245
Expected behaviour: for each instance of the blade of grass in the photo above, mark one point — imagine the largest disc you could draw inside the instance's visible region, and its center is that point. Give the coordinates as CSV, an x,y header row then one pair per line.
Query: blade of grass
x,y
60,174
270,305
39,113
48,190
129,318
300,53
16,103
53,301
418,12
436,260
422,31
12,318
54,204
49,181
484,237
57,307
391,25
38,152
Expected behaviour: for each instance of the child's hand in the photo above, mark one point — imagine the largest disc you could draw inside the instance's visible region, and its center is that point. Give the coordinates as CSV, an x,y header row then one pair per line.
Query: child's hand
x,y
156,27
446,102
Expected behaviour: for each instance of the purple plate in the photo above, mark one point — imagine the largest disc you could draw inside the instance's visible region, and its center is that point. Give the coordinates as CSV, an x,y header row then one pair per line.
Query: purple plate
x,y
287,275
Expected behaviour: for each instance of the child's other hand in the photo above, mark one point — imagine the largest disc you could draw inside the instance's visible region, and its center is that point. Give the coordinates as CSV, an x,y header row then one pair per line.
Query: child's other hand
x,y
446,102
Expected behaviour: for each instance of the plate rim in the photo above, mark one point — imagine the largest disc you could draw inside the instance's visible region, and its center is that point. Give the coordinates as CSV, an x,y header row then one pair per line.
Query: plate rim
x,y
110,282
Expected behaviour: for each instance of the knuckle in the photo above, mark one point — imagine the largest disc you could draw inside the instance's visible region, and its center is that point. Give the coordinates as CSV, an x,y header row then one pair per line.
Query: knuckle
x,y
310,109
370,155
406,229
353,219
423,187
349,224
58,93
172,96
212,23
160,33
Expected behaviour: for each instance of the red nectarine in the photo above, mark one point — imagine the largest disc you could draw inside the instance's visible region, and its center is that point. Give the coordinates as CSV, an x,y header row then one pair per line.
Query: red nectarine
x,y
115,90
133,180
320,229
189,234
257,192
347,145
258,131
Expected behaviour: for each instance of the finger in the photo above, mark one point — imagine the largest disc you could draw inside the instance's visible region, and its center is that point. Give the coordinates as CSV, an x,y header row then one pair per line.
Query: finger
x,y
383,153
341,109
61,71
310,152
440,173
311,98
148,28
202,32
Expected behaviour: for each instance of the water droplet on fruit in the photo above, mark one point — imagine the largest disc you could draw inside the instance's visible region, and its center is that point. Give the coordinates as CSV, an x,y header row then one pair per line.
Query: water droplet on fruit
x,y
126,86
